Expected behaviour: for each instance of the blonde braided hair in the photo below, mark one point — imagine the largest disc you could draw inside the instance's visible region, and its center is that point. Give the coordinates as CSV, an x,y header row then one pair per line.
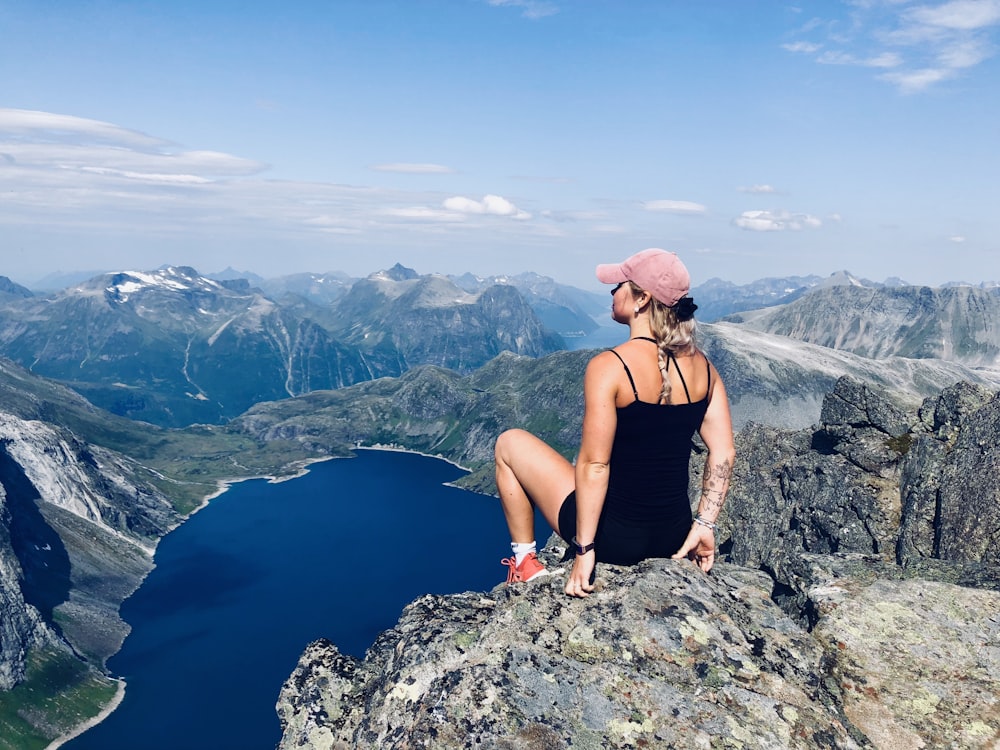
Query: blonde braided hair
x,y
672,336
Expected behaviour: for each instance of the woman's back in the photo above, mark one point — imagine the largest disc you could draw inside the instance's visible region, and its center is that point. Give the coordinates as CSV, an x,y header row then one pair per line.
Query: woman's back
x,y
652,443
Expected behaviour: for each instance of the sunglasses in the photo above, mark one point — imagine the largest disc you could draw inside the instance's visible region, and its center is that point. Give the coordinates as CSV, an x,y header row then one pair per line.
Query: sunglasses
x,y
619,286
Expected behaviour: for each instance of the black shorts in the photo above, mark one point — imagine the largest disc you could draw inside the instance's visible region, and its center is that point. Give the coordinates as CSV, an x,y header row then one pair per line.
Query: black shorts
x,y
621,542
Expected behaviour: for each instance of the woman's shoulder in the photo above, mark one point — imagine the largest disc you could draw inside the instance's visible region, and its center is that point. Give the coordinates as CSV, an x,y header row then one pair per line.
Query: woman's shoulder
x,y
604,360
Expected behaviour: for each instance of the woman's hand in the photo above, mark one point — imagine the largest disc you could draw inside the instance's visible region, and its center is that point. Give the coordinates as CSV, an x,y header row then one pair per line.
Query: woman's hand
x,y
699,547
579,579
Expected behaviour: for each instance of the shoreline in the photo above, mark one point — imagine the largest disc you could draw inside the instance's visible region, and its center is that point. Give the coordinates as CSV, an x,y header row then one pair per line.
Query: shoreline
x,y
93,721
399,449
221,487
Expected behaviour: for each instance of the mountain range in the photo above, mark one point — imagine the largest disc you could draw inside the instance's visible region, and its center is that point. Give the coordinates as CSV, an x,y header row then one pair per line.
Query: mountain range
x,y
173,347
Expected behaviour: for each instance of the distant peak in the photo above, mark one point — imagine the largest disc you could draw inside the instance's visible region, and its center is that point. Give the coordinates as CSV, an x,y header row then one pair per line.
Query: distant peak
x,y
841,278
398,272
123,284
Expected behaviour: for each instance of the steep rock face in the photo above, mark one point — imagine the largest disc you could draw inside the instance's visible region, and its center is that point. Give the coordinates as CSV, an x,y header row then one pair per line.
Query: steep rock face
x,y
21,626
77,533
950,481
874,481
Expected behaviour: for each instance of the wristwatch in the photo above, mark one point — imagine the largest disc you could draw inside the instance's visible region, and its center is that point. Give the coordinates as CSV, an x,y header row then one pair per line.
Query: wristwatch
x,y
582,549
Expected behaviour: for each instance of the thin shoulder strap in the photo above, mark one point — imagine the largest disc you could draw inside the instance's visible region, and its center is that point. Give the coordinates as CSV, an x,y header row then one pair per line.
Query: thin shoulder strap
x,y
630,380
670,358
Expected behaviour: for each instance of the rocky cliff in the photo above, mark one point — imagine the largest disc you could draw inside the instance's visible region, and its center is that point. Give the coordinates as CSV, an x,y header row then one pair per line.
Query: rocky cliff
x,y
856,607
77,534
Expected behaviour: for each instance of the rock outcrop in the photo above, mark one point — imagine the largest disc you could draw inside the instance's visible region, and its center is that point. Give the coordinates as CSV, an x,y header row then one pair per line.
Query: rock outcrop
x,y
77,534
857,607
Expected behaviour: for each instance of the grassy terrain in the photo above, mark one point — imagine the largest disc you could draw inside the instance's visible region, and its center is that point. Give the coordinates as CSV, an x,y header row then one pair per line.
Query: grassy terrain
x,y
59,693
188,465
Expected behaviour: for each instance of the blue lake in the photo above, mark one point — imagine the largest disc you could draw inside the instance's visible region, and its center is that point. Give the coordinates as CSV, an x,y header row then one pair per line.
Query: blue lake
x,y
246,583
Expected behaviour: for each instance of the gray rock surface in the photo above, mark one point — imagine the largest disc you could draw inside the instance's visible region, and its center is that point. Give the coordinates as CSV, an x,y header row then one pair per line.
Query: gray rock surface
x,y
663,656
21,627
857,606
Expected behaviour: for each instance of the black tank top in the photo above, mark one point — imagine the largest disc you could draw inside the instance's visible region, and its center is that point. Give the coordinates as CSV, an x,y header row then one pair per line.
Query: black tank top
x,y
650,454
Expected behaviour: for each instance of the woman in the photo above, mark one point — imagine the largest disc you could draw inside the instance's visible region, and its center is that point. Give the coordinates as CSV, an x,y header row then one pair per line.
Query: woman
x,y
626,499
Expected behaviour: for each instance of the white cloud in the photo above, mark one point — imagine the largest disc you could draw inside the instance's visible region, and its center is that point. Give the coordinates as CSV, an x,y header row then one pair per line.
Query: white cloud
x,y
923,45
914,81
964,54
757,189
407,168
494,205
775,221
675,207
957,239
965,15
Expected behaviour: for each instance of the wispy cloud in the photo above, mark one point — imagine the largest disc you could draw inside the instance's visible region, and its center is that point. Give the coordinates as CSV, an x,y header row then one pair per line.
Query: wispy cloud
x,y
44,140
917,46
407,168
75,173
775,221
675,207
52,127
758,189
533,9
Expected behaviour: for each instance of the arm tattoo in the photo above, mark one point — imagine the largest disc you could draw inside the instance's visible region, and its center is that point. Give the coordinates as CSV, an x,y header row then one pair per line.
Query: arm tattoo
x,y
715,483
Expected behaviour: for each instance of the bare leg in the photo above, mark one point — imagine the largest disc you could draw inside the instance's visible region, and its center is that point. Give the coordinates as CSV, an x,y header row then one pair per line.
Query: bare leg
x,y
529,472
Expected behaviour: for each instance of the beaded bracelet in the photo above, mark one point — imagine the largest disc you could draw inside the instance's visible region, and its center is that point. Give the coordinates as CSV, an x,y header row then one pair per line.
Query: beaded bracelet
x,y
707,524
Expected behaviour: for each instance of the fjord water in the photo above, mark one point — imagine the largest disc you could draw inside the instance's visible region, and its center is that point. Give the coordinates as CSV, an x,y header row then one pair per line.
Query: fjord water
x,y
241,588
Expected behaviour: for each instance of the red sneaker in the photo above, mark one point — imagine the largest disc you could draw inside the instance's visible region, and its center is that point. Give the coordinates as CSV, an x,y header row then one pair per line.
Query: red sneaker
x,y
528,570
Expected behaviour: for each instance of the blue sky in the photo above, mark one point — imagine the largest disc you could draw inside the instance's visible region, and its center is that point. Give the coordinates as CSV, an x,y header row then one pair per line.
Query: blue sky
x,y
498,136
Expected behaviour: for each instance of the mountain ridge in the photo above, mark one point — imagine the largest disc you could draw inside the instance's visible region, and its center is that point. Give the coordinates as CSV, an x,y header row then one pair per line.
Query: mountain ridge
x,y
958,323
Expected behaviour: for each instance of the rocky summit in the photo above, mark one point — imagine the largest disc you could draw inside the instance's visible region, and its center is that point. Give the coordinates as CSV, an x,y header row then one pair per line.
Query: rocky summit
x,y
857,606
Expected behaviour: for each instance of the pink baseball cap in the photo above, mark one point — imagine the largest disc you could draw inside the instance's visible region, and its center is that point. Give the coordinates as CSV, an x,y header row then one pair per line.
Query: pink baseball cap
x,y
657,271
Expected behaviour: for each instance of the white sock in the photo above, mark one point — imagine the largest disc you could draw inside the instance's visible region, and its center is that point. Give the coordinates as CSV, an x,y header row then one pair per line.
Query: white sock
x,y
521,550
